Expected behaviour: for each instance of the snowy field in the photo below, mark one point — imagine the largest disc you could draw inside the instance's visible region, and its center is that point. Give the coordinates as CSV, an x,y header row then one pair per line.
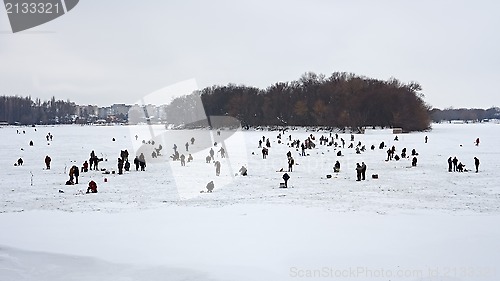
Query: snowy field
x,y
412,223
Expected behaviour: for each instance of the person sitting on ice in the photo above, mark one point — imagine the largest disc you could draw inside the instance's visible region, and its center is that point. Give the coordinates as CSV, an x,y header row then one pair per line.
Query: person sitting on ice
x,y
210,186
92,187
336,168
175,156
190,158
414,162
85,167
20,161
460,167
243,171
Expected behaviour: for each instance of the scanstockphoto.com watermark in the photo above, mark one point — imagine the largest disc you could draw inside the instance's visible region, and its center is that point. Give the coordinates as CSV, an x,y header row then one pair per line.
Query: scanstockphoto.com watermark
x,y
218,141
374,273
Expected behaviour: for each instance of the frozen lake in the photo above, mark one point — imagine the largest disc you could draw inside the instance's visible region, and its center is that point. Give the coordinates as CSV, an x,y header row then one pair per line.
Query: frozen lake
x,y
412,223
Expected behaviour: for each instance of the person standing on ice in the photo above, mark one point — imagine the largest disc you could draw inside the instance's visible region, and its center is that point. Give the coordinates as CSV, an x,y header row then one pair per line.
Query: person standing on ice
x,y
363,170
265,152
455,164
358,172
426,138
187,146
136,163
450,164
120,166
211,154
222,152
476,163
74,172
47,162
290,163
217,168
477,142
183,160
142,162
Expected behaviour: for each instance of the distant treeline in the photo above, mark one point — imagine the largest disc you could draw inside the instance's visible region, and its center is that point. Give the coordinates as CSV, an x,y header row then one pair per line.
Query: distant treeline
x,y
343,100
464,114
25,111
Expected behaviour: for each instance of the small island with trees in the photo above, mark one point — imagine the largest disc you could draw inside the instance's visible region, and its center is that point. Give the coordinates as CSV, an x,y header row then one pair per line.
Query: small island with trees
x,y
341,100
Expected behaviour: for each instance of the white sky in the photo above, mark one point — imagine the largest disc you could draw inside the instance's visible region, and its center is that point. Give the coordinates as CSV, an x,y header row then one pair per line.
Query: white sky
x,y
117,51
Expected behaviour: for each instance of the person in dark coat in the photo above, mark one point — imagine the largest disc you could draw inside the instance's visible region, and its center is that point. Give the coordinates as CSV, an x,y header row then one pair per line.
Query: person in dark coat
x,y
74,172
414,162
126,165
187,146
136,163
212,153
85,166
363,170
286,177
92,187
142,162
47,162
183,160
358,172
190,157
243,171
222,152
336,167
264,153
290,163
120,166
192,140
455,164
476,162
450,164
20,162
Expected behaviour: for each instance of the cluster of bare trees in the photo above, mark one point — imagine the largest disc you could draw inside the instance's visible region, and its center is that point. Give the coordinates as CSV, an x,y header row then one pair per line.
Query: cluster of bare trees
x,y
343,100
473,114
25,111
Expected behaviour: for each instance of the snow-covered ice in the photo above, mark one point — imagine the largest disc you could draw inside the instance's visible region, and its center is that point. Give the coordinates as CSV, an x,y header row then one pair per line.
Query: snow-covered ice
x,y
412,223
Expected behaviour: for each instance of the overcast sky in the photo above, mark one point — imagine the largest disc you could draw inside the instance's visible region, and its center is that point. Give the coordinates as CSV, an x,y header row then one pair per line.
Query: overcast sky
x,y
117,51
